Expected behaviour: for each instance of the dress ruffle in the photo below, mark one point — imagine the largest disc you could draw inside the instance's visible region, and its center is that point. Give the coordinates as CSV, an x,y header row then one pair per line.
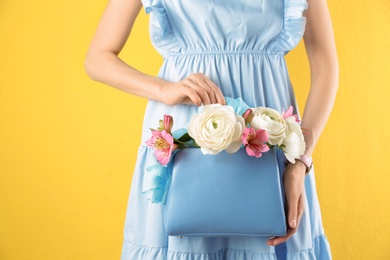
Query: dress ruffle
x,y
165,42
225,253
164,39
132,252
320,250
151,253
293,27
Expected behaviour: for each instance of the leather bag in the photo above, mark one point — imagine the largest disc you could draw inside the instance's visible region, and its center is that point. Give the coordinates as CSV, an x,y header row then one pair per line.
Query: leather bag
x,y
225,195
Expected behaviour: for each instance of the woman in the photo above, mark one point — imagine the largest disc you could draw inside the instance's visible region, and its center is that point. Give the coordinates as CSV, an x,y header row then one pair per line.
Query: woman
x,y
213,49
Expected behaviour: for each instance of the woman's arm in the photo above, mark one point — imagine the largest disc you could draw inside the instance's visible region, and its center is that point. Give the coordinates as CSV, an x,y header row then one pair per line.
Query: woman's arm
x,y
103,64
324,69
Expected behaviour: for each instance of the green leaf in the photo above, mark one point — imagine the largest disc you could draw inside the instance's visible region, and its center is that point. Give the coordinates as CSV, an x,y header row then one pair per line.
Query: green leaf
x,y
185,138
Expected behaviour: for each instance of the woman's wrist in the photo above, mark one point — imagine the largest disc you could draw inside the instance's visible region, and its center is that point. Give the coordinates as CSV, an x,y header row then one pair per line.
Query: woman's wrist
x,y
307,161
161,91
300,164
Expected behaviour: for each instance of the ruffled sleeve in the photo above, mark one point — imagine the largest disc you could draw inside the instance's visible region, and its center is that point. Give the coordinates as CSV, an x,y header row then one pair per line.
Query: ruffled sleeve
x,y
293,27
161,32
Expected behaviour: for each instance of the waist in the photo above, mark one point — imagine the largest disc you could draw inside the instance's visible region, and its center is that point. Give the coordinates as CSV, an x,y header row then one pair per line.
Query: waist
x,y
225,53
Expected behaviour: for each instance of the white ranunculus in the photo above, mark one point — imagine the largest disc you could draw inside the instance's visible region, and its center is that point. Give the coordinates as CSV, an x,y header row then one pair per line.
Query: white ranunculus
x,y
217,128
294,145
272,122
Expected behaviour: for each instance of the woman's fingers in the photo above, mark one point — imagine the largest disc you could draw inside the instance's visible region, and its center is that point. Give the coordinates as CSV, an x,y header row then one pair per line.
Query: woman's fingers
x,y
204,88
196,89
206,92
190,95
293,180
278,240
292,207
219,98
301,208
294,217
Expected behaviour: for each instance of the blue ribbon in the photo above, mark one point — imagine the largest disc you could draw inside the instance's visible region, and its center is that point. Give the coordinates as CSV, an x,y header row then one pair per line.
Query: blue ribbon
x,y
157,180
238,105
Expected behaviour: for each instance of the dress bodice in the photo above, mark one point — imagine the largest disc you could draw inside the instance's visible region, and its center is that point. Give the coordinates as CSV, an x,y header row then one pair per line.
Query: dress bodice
x,y
202,26
238,44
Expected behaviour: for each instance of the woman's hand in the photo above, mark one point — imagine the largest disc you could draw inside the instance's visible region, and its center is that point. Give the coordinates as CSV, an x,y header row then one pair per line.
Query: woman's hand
x,y
195,89
294,187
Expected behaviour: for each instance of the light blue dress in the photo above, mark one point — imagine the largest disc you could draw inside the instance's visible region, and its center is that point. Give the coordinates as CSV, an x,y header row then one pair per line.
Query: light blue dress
x,y
240,45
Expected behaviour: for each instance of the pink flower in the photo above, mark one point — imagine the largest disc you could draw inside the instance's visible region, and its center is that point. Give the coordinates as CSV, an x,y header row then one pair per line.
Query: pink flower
x,y
254,141
162,143
168,123
248,116
289,113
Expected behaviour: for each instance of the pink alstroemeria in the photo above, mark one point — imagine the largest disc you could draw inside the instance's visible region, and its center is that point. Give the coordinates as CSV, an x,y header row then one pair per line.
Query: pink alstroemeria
x,y
168,123
162,143
289,113
248,116
254,141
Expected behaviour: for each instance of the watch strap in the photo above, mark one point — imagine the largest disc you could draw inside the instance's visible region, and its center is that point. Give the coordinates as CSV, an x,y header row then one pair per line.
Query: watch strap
x,y
306,160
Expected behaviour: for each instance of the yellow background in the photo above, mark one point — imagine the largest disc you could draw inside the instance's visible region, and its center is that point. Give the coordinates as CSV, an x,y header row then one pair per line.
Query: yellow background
x,y
68,144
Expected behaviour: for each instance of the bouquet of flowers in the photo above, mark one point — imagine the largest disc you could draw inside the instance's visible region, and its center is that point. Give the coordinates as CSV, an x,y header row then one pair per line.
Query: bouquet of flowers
x,y
217,128
229,127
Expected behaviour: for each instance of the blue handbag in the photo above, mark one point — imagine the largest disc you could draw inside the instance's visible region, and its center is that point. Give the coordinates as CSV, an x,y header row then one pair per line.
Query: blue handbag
x,y
225,195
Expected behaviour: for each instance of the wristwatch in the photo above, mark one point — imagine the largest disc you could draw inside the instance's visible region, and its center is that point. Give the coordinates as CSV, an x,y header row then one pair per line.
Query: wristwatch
x,y
306,161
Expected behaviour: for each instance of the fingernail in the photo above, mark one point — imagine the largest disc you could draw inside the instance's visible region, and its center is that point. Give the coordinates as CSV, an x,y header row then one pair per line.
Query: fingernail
x,y
293,223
